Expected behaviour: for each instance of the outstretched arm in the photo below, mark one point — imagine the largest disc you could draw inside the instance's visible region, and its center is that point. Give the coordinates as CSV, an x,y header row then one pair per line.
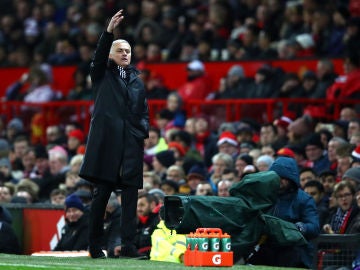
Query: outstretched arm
x,y
99,62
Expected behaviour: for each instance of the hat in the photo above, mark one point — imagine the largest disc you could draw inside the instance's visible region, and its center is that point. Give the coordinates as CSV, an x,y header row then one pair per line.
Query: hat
x,y
166,158
236,70
77,134
247,145
286,168
41,152
5,162
4,145
315,140
285,152
177,146
16,124
73,201
268,160
284,121
247,158
343,124
148,160
157,192
83,183
166,114
228,137
83,194
196,65
353,174
309,75
197,171
171,183
356,153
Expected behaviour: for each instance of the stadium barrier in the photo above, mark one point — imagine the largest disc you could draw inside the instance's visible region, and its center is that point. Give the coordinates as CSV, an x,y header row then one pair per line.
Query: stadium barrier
x,y
37,226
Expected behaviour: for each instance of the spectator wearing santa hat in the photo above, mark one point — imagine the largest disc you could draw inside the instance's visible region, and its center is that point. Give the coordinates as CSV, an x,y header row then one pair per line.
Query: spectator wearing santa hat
x,y
228,144
281,125
76,138
355,154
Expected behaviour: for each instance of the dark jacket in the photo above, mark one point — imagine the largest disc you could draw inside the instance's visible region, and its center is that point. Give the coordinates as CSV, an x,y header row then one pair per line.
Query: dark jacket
x,y
74,235
144,232
119,123
297,207
9,242
112,231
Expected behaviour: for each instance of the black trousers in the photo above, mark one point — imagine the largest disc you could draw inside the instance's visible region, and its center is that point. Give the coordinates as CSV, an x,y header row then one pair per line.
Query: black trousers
x,y
129,197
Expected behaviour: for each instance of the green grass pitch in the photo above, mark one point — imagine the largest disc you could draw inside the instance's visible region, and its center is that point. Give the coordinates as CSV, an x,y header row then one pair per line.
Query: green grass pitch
x,y
23,262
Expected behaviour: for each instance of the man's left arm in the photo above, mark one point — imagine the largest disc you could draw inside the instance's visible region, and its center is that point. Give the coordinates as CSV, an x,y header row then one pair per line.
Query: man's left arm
x,y
309,221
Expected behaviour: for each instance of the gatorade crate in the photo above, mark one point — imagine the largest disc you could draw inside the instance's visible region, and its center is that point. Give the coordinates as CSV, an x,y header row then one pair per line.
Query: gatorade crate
x,y
208,247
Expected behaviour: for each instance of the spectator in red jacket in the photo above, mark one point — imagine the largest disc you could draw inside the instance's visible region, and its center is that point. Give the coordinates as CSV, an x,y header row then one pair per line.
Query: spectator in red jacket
x,y
197,85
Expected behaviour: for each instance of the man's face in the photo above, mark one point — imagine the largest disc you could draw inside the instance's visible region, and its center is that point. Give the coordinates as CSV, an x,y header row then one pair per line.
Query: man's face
x,y
315,193
5,195
227,148
344,198
121,53
42,164
20,148
58,199
223,188
313,152
143,207
284,185
332,146
353,128
73,143
267,135
152,140
73,214
203,189
305,177
328,183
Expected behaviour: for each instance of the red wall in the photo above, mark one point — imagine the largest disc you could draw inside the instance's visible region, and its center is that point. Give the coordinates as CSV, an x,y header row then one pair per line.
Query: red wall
x,y
174,74
40,227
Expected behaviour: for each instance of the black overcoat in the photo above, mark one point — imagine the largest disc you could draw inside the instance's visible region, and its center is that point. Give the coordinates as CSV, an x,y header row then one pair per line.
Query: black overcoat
x,y
119,123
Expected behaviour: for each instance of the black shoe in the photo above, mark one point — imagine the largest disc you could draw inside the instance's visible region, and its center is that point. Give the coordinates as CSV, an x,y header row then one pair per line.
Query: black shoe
x,y
97,254
131,252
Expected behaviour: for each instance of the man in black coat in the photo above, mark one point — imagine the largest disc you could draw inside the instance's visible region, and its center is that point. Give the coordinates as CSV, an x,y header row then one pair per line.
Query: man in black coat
x,y
115,147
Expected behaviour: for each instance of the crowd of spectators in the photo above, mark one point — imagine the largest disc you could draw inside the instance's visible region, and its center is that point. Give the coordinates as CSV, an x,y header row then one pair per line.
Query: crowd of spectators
x,y
41,34
63,32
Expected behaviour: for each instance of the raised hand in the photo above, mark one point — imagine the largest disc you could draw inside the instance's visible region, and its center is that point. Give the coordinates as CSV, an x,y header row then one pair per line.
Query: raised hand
x,y
115,20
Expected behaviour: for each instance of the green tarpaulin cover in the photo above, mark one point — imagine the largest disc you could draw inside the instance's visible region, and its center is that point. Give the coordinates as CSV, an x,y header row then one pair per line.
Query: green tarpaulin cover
x,y
244,215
